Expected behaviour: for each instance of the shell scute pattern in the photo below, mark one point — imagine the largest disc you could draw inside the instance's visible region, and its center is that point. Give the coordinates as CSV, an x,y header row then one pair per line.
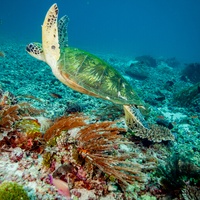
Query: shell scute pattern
x,y
96,76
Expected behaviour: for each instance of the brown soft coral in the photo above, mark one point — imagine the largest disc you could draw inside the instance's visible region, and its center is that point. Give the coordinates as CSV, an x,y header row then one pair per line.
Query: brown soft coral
x,y
8,115
63,124
92,147
99,143
17,128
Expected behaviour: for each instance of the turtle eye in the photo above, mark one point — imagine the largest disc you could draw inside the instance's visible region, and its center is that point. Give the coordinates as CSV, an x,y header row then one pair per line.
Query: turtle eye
x,y
28,48
30,45
53,47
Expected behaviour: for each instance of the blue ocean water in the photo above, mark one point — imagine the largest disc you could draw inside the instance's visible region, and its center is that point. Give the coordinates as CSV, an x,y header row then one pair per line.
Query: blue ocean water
x,y
127,28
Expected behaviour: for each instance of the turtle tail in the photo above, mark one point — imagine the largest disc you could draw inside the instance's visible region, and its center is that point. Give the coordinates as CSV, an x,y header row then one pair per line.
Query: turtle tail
x,y
134,118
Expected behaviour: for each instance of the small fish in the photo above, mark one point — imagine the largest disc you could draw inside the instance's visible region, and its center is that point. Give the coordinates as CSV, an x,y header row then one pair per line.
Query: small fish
x,y
61,186
161,117
2,54
56,95
194,116
29,97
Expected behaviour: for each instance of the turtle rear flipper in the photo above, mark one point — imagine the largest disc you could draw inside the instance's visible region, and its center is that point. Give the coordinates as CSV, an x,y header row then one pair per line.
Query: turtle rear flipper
x,y
35,49
133,117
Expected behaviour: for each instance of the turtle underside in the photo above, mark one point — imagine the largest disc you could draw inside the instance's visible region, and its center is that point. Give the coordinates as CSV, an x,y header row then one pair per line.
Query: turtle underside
x,y
95,76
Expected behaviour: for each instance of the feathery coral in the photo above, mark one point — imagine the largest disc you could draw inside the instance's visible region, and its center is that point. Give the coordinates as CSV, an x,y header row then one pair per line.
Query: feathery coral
x,y
63,123
8,115
17,128
98,144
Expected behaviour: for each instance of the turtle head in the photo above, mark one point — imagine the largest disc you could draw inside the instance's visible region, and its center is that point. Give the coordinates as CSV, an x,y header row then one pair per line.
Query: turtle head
x,y
35,49
49,50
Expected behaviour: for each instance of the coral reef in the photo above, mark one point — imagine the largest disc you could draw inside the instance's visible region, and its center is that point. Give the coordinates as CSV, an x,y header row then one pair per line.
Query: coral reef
x,y
60,148
188,95
147,60
12,191
172,62
96,145
191,192
155,133
17,127
192,71
137,70
179,172
8,115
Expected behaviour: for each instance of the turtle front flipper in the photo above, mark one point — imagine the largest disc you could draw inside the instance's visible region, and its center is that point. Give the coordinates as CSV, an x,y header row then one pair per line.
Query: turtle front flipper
x,y
50,40
35,49
62,31
133,117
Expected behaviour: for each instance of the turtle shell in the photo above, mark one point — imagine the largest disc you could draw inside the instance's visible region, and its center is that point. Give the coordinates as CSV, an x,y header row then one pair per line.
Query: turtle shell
x,y
88,74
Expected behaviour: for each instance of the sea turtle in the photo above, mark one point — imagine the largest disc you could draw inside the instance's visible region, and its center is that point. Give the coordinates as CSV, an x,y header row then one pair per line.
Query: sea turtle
x,y
82,71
